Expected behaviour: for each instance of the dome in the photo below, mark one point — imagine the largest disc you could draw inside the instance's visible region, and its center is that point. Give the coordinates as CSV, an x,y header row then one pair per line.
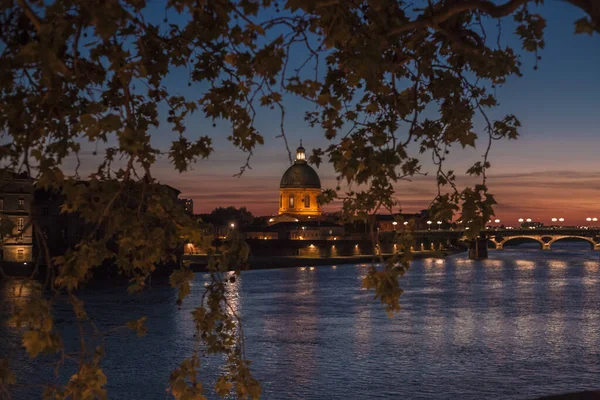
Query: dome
x,y
300,175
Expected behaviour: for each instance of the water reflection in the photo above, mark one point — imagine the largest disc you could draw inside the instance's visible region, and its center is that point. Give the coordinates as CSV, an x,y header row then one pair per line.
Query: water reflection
x,y
525,264
522,324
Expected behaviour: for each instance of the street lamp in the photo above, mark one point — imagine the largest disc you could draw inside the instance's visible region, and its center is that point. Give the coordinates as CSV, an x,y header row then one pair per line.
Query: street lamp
x,y
497,221
232,225
394,223
561,220
521,220
528,220
429,225
405,223
439,225
554,219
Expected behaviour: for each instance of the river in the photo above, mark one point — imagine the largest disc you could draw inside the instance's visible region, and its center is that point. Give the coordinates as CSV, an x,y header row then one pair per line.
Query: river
x,y
522,324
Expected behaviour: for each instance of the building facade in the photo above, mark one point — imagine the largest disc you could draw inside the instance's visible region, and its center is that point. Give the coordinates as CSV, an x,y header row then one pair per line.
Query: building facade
x,y
28,213
16,196
299,189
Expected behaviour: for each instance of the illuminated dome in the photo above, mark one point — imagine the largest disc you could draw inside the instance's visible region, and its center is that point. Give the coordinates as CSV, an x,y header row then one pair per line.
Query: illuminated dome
x,y
300,175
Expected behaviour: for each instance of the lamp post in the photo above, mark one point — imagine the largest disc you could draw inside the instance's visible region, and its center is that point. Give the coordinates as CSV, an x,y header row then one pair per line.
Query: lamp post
x,y
429,225
588,219
439,225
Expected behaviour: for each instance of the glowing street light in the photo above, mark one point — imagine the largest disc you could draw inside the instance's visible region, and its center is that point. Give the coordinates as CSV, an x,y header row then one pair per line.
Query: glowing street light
x,y
595,219
588,219
561,220
439,224
528,220
394,223
232,225
554,219
405,223
429,225
497,221
521,220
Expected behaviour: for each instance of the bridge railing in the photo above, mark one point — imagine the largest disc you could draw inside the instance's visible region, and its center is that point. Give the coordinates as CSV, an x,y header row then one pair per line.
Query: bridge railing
x,y
521,231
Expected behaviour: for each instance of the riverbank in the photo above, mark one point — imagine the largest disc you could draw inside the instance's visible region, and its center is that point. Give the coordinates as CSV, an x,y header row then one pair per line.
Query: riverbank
x,y
198,263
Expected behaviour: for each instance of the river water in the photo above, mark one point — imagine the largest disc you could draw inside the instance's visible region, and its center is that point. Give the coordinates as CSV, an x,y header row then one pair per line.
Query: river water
x,y
522,324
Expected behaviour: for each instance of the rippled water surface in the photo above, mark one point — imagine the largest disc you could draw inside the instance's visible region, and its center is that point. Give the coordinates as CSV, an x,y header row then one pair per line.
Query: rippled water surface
x,y
522,324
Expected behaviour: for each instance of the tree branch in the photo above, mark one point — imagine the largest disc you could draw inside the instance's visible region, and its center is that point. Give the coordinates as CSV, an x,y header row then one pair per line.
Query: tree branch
x,y
447,12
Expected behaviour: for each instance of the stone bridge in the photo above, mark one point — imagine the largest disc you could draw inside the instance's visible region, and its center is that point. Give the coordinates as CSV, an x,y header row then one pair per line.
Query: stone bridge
x,y
545,241
546,237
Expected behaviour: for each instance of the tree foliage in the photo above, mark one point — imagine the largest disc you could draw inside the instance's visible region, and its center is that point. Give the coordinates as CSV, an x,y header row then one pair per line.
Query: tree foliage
x,y
220,216
382,75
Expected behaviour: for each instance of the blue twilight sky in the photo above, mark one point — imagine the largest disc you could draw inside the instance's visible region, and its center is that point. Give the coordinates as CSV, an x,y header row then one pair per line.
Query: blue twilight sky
x,y
552,170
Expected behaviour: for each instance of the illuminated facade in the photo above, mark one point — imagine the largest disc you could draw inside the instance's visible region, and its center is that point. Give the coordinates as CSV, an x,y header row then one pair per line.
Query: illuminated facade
x,y
299,188
16,194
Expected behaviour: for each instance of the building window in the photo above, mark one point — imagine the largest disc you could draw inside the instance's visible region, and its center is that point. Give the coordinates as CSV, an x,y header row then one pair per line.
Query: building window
x,y
280,200
20,254
1,203
21,204
20,224
45,211
291,201
306,201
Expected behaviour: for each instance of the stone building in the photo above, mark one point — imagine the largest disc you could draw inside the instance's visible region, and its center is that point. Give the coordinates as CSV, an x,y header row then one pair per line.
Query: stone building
x,y
298,190
21,204
300,216
16,195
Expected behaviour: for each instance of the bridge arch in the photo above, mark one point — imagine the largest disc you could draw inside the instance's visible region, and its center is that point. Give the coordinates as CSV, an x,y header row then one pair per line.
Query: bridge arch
x,y
593,244
521,237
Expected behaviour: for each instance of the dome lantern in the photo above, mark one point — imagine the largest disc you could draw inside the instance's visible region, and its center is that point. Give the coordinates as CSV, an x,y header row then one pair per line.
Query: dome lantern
x,y
300,153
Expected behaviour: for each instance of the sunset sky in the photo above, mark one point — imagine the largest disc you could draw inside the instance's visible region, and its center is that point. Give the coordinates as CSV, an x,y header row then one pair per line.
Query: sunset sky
x,y
552,170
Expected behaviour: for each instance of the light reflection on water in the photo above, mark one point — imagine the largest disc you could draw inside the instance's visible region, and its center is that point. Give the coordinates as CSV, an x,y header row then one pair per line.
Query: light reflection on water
x,y
522,324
